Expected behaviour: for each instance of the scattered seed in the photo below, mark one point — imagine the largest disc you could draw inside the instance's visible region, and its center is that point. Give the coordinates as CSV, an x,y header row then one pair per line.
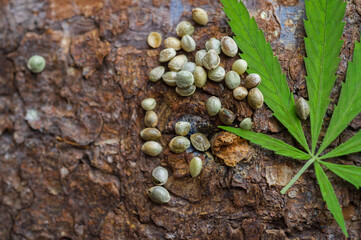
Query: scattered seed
x,y
154,39
159,194
195,166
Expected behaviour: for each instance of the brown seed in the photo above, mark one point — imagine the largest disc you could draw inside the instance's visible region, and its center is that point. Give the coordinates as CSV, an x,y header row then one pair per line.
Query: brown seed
x,y
200,16
151,119
211,60
240,93
200,142
179,144
200,76
150,134
172,42
154,39
302,108
226,116
177,63
252,80
152,148
229,46
255,98
167,54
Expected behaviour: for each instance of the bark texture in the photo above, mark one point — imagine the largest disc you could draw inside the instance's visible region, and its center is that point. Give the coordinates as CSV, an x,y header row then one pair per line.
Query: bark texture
x,y
70,160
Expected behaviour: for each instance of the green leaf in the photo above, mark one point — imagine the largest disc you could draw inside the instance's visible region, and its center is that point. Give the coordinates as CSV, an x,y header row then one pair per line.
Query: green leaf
x,y
259,55
270,143
324,28
350,173
351,146
348,106
329,197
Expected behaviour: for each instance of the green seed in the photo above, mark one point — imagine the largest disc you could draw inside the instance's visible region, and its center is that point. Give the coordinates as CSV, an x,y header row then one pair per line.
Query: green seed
x,y
148,104
255,98
152,148
188,44
179,144
199,57
185,92
159,194
211,60
177,63
217,75
200,16
200,76
156,73
214,44
169,78
252,80
200,142
150,119
189,66
246,124
150,134
160,175
184,79
167,54
239,66
184,28
36,64
226,116
232,80
195,166
229,46
240,93
182,128
213,105
302,108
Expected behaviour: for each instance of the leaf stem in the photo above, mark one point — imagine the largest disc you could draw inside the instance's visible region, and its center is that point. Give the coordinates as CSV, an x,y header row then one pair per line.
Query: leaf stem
x,y
298,175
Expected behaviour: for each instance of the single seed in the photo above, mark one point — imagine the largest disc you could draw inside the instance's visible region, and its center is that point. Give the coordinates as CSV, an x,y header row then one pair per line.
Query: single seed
x,y
255,98
214,44
172,42
211,60
213,105
160,175
240,93
246,124
148,104
232,79
200,142
36,64
179,144
184,79
200,76
169,78
188,44
150,119
195,166
199,57
239,66
229,46
167,54
227,116
156,73
252,80
185,92
158,194
189,66
152,148
177,63
217,74
150,134
302,108
184,28
154,39
200,16
182,128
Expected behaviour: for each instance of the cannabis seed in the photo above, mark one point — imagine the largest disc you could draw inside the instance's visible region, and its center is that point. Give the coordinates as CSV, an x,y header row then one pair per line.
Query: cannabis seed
x,y
229,46
255,98
200,76
211,60
214,44
302,108
200,142
240,93
188,44
182,128
169,78
150,119
184,28
167,54
246,124
252,80
177,63
158,194
172,42
150,134
160,175
200,16
217,74
239,66
179,144
189,66
195,166
184,79
185,92
36,64
148,104
156,73
199,57
227,116
232,79
213,105
154,39
152,148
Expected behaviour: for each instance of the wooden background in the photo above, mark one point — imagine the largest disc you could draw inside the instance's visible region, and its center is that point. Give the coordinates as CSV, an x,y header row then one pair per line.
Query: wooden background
x,y
70,160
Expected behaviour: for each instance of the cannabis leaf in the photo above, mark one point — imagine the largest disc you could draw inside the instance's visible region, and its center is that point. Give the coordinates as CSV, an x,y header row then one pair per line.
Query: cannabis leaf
x,y
259,55
323,43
